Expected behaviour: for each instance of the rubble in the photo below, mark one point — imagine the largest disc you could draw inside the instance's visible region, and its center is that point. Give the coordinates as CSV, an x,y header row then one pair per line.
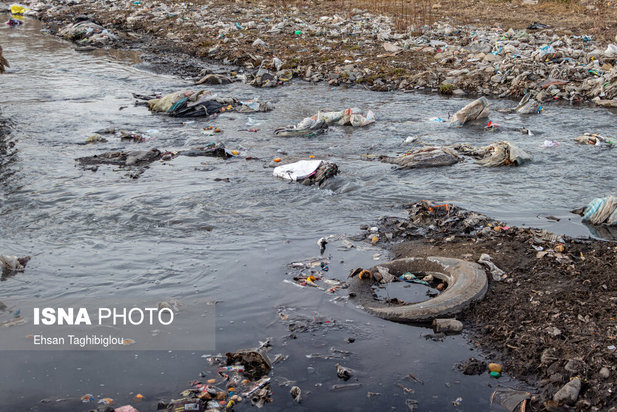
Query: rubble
x,y
541,62
307,172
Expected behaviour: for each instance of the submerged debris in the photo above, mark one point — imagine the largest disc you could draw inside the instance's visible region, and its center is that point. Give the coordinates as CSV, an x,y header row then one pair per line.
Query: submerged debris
x,y
424,157
318,124
296,393
132,158
143,158
343,372
188,103
12,264
256,363
307,172
595,139
600,211
502,153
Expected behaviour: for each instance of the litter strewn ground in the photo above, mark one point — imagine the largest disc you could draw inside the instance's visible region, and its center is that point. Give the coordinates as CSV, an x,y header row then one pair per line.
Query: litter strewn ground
x,y
549,315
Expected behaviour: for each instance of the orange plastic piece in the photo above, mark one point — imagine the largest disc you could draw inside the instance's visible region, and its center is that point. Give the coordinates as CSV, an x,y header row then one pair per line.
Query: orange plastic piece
x,y
445,205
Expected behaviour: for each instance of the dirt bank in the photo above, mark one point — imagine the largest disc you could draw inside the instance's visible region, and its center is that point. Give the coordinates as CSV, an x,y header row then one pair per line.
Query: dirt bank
x,y
269,43
552,316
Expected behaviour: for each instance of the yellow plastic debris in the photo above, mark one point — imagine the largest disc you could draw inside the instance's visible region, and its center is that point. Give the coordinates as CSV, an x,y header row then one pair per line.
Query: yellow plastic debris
x,y
18,9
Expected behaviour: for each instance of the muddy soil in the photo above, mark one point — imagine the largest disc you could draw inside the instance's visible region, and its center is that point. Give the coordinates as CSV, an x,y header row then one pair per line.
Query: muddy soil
x,y
552,316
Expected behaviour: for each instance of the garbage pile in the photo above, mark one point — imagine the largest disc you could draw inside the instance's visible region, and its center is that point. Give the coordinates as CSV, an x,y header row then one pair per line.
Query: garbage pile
x,y
446,219
318,123
307,172
87,32
502,153
486,61
595,139
348,117
11,264
432,156
188,103
308,127
240,376
265,78
600,211
313,273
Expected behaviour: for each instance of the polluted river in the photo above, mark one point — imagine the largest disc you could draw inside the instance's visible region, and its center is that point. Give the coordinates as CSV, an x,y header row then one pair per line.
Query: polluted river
x,y
198,229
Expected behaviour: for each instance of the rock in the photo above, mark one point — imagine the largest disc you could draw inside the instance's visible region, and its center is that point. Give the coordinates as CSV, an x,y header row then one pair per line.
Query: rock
x,y
214,79
568,394
528,105
604,373
447,325
491,58
478,109
574,365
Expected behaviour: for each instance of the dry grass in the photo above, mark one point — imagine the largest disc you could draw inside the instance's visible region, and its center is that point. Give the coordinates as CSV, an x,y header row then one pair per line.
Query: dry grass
x,y
595,17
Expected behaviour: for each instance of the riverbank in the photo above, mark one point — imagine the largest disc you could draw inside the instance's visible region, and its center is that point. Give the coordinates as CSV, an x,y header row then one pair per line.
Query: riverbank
x,y
549,317
268,44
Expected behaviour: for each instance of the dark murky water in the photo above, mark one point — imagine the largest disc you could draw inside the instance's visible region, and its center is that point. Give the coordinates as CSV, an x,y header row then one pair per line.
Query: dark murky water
x,y
104,234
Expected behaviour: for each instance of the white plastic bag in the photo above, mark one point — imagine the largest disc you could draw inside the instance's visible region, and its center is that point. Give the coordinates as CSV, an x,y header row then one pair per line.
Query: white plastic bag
x,y
298,170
